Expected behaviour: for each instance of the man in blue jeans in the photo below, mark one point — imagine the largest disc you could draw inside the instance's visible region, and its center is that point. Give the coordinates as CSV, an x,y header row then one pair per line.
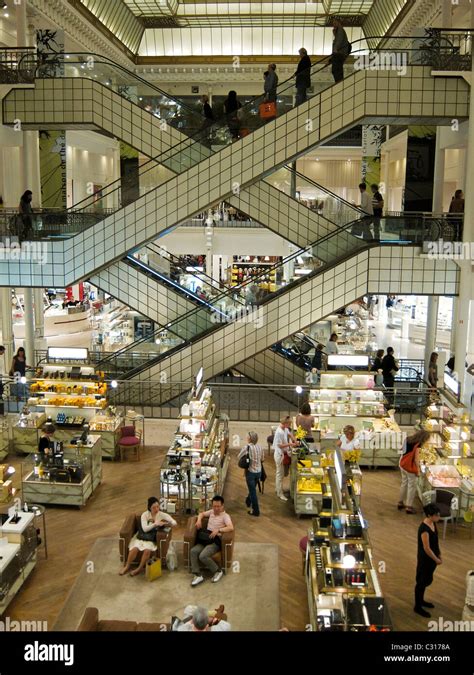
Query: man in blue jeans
x,y
254,472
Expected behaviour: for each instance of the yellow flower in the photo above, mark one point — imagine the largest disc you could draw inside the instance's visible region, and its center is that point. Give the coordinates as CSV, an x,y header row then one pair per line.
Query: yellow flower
x,y
300,433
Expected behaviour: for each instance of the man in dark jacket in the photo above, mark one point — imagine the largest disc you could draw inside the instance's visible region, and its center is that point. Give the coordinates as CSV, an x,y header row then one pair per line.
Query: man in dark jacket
x,y
389,369
303,76
341,48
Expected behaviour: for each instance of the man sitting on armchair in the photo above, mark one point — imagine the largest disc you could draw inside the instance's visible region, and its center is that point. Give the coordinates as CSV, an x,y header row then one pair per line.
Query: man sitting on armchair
x,y
208,541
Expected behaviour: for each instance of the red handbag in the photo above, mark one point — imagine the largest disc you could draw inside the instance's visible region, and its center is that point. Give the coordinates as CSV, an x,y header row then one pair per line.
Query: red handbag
x,y
286,459
267,110
408,463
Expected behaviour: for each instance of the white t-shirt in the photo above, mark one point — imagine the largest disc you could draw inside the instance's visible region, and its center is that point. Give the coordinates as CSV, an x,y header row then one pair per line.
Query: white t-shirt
x,y
280,438
366,203
349,445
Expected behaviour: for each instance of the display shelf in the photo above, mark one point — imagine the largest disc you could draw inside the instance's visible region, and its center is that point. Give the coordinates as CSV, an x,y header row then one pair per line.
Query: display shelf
x,y
18,555
198,450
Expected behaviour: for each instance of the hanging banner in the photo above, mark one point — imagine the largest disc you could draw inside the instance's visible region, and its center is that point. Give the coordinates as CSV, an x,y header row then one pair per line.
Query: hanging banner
x,y
50,50
372,139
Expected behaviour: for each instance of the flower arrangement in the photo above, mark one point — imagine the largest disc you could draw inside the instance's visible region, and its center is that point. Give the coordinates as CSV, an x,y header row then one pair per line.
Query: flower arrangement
x,y
352,456
300,434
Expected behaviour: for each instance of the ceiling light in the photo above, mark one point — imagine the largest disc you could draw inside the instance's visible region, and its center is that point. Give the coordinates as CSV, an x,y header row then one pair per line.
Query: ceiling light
x,y
348,562
114,384
317,159
299,389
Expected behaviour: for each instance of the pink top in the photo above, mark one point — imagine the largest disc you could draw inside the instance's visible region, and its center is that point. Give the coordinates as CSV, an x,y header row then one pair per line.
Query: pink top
x,y
217,522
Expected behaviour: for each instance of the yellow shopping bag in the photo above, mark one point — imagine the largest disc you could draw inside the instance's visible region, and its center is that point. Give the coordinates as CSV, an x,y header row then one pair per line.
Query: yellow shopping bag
x,y
153,569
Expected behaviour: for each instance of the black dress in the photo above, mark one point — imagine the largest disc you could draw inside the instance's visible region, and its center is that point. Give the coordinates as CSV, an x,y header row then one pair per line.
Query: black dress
x,y
425,565
43,444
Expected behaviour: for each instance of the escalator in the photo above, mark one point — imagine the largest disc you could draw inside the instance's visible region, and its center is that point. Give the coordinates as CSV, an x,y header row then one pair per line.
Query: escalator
x,y
358,99
338,275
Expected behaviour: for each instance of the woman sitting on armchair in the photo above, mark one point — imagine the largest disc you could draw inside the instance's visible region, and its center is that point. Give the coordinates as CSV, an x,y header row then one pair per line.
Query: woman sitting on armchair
x,y
145,539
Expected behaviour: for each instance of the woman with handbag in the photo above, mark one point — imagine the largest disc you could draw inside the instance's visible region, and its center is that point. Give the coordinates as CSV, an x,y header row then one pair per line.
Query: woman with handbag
x,y
410,468
250,459
145,539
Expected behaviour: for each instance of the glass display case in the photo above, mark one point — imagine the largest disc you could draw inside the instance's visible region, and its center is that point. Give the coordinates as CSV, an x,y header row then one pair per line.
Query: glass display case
x,y
18,544
107,425
26,431
67,476
195,467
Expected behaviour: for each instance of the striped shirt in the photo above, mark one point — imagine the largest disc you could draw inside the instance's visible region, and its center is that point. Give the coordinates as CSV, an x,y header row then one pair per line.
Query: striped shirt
x,y
256,457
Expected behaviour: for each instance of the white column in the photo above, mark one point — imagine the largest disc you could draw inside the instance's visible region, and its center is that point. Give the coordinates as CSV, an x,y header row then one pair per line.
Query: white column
x,y
438,179
29,342
7,324
454,320
39,313
31,166
21,25
431,328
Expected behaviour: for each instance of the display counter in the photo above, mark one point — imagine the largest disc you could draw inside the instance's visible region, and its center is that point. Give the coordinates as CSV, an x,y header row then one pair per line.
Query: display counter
x,y
108,428
68,479
344,592
18,544
26,432
195,467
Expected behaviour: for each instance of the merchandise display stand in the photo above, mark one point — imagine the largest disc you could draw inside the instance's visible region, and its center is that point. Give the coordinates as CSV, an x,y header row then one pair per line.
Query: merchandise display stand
x,y
71,395
447,461
18,544
69,482
348,397
195,467
343,588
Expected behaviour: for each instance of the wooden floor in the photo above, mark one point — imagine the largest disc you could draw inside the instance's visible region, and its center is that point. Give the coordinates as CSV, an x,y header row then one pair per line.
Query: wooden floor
x,y
126,487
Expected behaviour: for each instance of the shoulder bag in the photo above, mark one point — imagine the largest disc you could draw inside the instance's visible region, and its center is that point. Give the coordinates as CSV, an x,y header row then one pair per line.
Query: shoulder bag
x,y
147,536
407,462
244,461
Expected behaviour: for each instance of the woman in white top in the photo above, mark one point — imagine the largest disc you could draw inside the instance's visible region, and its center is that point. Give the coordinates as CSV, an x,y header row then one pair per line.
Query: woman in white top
x,y
348,441
331,348
145,539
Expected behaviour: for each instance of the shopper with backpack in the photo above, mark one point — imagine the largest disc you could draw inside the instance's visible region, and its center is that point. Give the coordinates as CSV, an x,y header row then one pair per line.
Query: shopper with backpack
x,y
341,48
251,459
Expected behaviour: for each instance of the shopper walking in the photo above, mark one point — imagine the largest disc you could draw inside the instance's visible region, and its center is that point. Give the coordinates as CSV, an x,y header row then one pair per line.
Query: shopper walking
x,y
410,468
318,358
26,215
18,371
232,110
457,202
341,48
428,559
377,368
389,368
305,420
303,76
145,539
254,471
433,370
365,206
271,84
282,443
377,208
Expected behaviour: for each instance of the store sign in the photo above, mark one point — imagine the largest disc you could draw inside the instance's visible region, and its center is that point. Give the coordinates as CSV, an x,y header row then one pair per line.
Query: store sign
x,y
348,360
68,353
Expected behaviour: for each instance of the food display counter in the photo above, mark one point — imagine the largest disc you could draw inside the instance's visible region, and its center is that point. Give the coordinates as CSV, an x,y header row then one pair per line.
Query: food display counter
x,y
26,431
67,477
195,467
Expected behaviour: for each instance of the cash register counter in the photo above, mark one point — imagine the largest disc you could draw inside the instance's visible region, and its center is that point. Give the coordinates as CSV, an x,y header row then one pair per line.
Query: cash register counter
x,y
18,545
68,483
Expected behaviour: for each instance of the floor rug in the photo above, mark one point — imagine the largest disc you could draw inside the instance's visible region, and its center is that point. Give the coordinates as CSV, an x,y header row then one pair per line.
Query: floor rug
x,y
250,592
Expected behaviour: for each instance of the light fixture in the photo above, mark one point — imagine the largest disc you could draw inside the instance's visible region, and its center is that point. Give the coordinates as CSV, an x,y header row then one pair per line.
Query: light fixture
x,y
299,389
23,379
317,159
348,562
114,384
11,470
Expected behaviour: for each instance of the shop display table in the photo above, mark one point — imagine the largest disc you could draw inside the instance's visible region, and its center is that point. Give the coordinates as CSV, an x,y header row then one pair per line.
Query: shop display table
x,y
70,484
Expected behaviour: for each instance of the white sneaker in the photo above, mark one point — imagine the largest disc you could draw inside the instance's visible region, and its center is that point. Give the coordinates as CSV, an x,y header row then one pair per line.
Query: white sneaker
x,y
217,576
283,498
198,579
